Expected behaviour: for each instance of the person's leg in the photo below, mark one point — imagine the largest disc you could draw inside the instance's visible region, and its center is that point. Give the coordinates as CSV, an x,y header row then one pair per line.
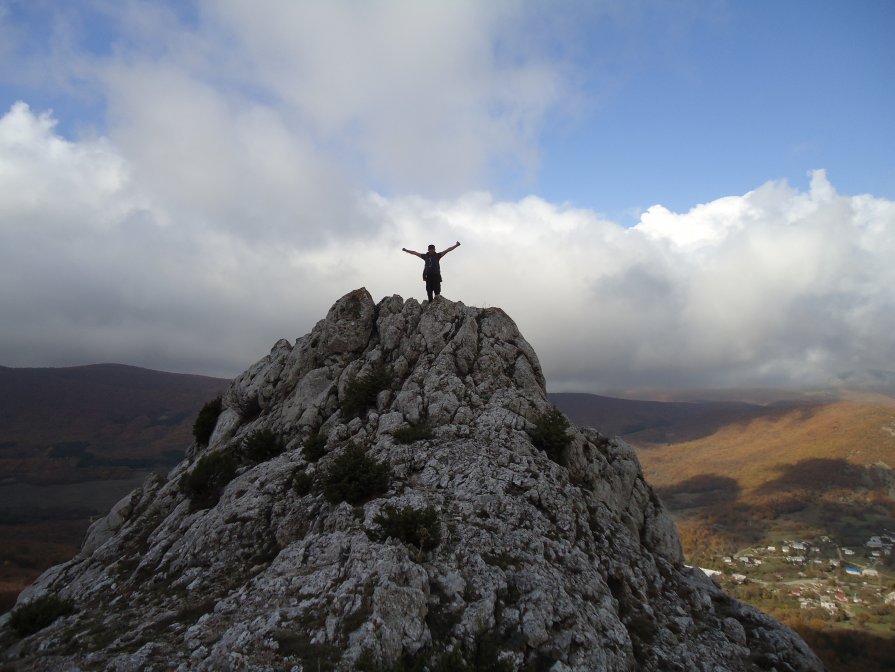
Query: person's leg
x,y
429,288
437,289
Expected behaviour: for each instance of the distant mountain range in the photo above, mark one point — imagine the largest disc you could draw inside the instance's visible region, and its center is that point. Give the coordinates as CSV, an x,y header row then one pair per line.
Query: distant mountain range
x,y
645,423
63,424
75,440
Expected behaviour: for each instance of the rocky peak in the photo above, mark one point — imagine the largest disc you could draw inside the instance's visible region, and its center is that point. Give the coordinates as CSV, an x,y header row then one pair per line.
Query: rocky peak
x,y
372,497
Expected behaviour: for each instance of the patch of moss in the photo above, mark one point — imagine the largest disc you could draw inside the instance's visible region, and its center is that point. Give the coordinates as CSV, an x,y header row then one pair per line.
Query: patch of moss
x,y
206,421
354,477
361,393
33,616
550,434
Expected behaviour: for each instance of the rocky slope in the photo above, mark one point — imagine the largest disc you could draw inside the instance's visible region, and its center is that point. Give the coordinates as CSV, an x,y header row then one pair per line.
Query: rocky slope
x,y
524,563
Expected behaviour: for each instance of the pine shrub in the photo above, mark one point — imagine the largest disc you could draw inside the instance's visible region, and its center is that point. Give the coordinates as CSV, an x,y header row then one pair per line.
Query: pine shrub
x,y
354,477
302,482
314,447
419,527
361,393
413,433
263,445
205,483
33,616
206,421
550,434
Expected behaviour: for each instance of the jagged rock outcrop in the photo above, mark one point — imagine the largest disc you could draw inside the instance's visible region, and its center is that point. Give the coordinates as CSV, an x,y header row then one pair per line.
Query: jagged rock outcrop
x,y
532,564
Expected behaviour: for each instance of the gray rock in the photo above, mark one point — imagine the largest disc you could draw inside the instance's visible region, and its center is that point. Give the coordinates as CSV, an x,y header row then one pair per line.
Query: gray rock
x,y
566,565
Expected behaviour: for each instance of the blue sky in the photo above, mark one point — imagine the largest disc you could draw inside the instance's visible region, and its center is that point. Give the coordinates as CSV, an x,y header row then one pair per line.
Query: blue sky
x,y
700,192
749,92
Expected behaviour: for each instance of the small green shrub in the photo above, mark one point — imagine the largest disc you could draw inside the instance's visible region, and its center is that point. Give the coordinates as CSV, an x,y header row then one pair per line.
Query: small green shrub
x,y
361,393
263,445
354,477
314,447
451,662
484,658
413,433
206,421
420,527
366,662
302,482
205,483
551,434
30,617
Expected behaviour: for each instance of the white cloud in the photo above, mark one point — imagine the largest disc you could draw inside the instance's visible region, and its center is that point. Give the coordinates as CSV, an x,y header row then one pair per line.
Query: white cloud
x,y
775,287
93,267
417,90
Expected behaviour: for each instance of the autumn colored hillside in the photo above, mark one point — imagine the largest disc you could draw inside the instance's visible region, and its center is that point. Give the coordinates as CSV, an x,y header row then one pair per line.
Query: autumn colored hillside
x,y
792,504
804,447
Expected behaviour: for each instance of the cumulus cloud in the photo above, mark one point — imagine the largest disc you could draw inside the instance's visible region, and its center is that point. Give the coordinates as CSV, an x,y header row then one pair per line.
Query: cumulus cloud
x,y
774,287
96,268
272,110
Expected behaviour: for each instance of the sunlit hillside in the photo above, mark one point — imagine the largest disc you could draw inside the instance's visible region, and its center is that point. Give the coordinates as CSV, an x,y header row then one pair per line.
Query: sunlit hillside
x,y
809,447
793,505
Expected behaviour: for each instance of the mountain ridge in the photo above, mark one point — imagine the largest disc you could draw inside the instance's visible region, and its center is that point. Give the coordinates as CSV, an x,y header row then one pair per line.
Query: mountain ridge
x,y
564,561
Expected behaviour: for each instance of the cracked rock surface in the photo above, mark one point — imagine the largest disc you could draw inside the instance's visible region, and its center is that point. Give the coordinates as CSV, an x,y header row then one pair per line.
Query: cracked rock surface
x,y
561,565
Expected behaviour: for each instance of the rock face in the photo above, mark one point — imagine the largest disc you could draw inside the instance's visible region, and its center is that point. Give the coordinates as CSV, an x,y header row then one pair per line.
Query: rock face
x,y
531,563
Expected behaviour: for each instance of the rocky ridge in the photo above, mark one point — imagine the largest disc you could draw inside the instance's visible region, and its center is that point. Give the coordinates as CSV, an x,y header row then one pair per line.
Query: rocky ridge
x,y
531,564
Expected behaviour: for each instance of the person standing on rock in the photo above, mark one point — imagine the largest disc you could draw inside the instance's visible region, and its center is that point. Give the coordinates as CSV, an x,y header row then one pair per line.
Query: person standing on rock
x,y
432,268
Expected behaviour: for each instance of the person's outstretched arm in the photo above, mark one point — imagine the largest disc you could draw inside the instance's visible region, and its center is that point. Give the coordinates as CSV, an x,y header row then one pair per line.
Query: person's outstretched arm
x,y
416,254
452,247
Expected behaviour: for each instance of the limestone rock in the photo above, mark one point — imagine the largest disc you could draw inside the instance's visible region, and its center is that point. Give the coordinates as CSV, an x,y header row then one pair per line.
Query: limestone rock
x,y
540,564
